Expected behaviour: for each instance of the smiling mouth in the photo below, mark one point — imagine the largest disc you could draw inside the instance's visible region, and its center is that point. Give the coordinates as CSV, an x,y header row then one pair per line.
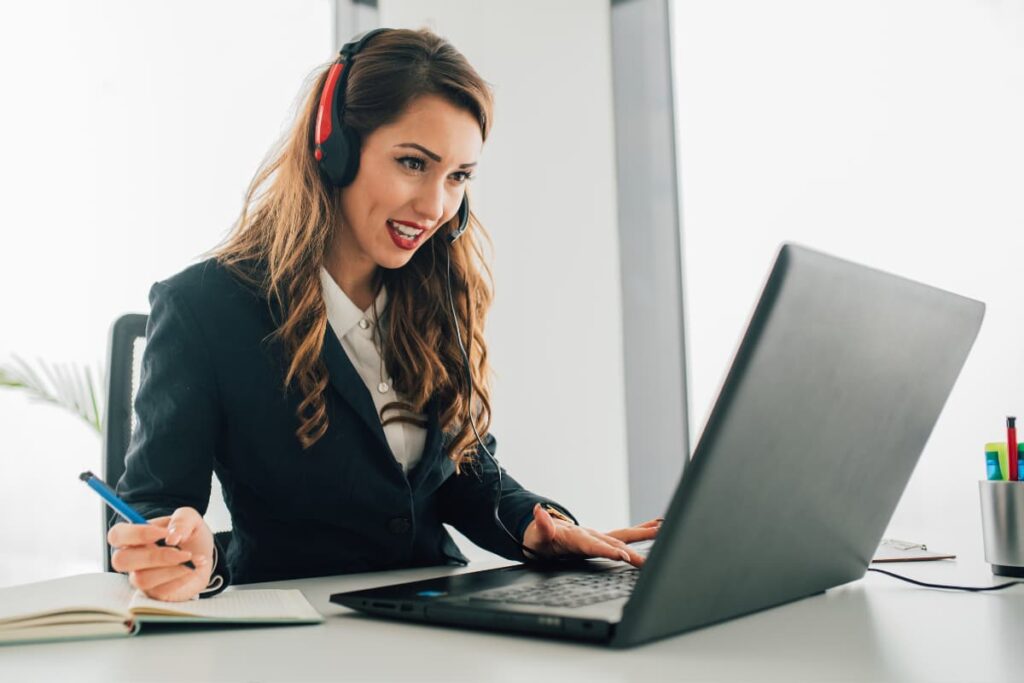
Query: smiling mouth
x,y
405,237
406,231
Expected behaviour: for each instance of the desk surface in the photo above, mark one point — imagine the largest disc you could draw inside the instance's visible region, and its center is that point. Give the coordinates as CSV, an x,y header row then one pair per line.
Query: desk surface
x,y
876,629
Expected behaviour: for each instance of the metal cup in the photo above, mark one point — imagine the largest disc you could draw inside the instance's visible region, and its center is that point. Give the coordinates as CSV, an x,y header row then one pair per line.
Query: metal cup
x,y
1002,522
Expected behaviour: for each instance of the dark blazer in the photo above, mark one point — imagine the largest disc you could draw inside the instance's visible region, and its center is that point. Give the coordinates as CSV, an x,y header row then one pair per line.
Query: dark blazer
x,y
211,400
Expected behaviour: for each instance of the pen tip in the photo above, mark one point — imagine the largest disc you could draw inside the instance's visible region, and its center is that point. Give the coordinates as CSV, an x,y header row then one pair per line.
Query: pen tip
x,y
86,476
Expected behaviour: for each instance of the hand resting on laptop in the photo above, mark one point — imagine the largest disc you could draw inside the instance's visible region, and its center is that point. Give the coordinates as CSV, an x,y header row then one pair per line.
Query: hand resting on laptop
x,y
549,537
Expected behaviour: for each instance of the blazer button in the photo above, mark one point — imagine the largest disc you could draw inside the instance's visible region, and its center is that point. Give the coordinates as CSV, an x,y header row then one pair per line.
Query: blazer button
x,y
399,525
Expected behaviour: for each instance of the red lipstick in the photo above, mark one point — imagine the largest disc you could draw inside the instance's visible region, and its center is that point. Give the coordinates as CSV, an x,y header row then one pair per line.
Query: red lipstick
x,y
402,241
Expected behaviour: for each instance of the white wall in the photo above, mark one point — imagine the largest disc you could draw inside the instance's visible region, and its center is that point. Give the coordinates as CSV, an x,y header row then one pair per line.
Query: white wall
x,y
545,190
885,132
129,132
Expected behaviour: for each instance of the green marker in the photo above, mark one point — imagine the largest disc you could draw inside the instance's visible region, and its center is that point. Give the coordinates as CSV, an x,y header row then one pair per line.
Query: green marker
x,y
996,461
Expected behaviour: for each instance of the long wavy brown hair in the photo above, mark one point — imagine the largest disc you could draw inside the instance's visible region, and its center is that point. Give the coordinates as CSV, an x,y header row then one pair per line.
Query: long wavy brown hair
x,y
288,222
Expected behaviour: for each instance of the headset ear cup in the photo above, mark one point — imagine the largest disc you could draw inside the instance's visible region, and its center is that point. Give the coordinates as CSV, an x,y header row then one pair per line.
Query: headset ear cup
x,y
348,158
340,160
338,151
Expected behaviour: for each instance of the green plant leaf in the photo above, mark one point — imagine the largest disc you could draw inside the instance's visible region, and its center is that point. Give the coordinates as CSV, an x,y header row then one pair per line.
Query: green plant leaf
x,y
8,380
69,386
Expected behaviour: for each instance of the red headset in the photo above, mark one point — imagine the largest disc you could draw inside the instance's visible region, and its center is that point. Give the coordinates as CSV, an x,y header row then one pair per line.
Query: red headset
x,y
336,146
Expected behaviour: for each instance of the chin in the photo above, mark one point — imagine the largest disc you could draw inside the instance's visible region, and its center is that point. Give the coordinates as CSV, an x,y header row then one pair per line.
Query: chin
x,y
393,262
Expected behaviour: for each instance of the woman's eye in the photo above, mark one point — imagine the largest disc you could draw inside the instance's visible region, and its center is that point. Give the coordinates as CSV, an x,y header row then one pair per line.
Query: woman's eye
x,y
417,164
412,163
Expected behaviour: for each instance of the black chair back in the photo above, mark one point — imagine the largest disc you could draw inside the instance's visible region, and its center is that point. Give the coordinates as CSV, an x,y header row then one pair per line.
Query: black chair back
x,y
124,363
127,336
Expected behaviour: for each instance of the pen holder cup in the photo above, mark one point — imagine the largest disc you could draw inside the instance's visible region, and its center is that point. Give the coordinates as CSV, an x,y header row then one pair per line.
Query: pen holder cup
x,y
1002,523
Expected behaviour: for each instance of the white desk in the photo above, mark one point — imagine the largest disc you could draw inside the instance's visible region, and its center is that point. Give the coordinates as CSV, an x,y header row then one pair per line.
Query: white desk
x,y
875,629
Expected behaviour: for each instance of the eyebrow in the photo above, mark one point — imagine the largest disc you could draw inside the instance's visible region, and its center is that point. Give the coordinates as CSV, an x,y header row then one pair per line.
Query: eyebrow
x,y
432,155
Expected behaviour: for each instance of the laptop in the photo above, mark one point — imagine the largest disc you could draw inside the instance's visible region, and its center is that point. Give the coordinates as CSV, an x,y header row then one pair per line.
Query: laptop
x,y
832,394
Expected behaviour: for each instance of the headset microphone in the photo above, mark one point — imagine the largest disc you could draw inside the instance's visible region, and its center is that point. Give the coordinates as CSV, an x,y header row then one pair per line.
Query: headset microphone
x,y
463,221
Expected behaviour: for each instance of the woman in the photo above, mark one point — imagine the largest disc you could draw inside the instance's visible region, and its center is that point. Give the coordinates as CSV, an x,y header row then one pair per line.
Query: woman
x,y
316,363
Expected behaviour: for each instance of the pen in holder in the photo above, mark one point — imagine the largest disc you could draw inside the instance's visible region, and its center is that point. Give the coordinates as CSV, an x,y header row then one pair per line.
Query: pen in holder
x,y
1002,522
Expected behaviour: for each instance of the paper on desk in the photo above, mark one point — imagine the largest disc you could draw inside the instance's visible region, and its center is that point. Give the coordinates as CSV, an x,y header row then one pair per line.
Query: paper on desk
x,y
892,550
235,605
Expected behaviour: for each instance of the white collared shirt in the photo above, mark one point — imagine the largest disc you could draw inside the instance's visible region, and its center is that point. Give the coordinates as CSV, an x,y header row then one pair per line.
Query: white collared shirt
x,y
355,329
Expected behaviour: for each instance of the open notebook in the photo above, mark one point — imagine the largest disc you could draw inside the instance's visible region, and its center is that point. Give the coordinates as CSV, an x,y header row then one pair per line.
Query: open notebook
x,y
106,605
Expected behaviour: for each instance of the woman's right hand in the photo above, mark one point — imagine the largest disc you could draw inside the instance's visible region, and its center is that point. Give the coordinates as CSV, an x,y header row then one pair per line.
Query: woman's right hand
x,y
158,571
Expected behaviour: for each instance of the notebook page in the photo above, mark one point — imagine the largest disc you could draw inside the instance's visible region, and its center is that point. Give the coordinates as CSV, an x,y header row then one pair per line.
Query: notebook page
x,y
234,605
63,632
106,592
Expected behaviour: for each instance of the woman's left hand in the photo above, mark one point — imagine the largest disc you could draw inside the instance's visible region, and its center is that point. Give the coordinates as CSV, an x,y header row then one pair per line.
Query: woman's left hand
x,y
547,537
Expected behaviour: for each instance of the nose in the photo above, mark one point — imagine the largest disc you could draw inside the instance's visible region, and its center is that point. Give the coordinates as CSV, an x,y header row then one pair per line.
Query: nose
x,y
430,201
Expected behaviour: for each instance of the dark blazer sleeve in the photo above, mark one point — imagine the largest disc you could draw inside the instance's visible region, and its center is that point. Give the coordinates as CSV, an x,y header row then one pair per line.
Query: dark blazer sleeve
x,y
466,502
170,458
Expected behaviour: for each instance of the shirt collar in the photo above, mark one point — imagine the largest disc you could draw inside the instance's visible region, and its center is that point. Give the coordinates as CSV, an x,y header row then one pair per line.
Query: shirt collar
x,y
342,314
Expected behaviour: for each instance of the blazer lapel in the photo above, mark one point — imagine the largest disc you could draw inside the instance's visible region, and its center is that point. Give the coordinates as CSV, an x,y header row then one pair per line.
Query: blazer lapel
x,y
347,382
432,455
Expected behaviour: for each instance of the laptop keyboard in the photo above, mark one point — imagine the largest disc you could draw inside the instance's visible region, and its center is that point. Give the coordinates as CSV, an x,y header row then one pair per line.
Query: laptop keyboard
x,y
568,590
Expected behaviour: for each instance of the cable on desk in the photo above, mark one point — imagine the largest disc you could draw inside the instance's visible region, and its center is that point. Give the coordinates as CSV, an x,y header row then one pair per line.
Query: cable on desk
x,y
972,589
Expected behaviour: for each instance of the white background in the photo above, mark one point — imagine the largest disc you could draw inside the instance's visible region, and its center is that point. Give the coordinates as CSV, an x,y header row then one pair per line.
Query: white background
x,y
886,132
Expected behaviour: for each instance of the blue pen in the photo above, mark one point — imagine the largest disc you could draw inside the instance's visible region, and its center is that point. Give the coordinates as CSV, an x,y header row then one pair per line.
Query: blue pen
x,y
119,506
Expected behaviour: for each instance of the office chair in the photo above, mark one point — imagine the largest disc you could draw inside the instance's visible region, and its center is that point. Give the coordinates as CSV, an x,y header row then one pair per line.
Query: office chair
x,y
124,363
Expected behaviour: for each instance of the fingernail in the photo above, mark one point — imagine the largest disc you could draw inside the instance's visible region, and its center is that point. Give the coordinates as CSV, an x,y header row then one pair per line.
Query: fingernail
x,y
624,555
199,561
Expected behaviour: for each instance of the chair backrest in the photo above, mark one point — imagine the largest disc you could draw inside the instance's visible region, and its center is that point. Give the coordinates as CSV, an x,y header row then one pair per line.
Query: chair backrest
x,y
124,369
